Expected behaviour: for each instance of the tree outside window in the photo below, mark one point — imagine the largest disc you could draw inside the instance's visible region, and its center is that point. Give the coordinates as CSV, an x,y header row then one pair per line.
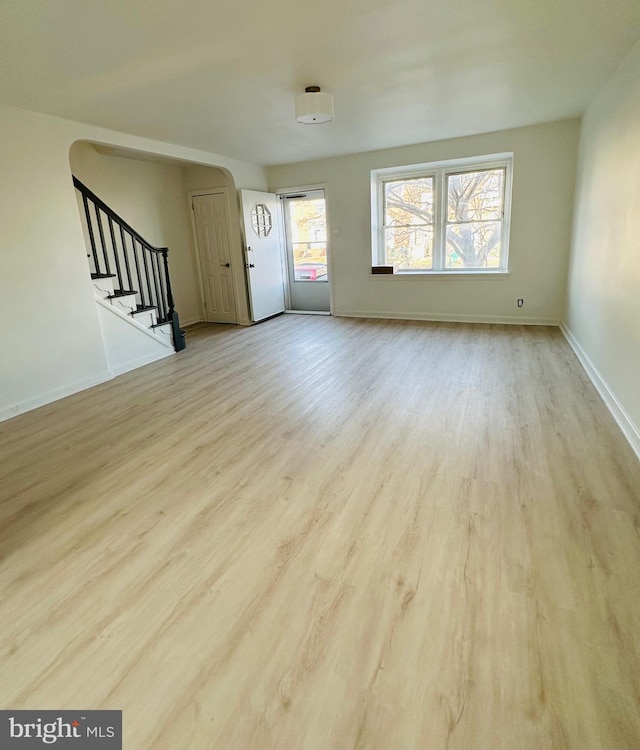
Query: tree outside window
x,y
445,219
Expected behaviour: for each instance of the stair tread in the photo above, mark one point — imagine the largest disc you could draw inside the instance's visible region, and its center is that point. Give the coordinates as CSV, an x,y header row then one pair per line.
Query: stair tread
x,y
122,293
143,308
103,275
160,323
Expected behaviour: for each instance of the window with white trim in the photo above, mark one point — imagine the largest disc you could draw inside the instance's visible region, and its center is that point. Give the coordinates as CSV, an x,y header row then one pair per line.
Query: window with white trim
x,y
445,217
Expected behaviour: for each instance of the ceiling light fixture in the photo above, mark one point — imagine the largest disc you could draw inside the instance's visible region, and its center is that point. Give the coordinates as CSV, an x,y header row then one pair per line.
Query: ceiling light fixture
x,y
314,107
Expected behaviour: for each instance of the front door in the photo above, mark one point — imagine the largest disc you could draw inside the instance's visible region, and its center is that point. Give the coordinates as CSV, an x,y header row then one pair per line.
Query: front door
x,y
214,256
305,221
263,253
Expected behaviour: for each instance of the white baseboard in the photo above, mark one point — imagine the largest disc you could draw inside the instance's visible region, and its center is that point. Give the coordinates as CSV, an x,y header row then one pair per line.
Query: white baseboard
x,y
446,318
53,395
629,428
307,312
133,364
42,399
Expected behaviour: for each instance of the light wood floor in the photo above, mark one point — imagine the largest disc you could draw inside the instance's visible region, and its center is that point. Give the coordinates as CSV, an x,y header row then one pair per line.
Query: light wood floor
x,y
323,534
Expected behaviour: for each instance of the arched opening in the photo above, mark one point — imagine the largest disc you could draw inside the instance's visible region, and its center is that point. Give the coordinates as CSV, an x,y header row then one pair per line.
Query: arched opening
x,y
152,192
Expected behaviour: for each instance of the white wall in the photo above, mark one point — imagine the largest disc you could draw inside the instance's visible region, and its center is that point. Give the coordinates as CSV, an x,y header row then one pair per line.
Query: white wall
x,y
50,340
543,191
151,197
198,177
603,298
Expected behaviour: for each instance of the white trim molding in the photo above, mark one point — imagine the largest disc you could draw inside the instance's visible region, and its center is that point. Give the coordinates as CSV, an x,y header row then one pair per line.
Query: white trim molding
x,y
164,349
117,359
618,412
42,399
134,323
446,318
133,364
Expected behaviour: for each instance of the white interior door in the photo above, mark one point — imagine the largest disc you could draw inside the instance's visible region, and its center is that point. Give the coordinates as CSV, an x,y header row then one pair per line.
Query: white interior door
x,y
214,256
263,248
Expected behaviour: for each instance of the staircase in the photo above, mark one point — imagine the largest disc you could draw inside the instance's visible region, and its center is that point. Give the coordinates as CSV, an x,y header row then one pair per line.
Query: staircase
x,y
128,272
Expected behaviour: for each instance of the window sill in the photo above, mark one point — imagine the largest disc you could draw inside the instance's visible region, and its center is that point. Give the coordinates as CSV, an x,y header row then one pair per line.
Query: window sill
x,y
493,275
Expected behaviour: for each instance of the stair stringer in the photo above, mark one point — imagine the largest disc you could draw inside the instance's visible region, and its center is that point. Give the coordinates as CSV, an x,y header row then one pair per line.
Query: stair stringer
x,y
128,344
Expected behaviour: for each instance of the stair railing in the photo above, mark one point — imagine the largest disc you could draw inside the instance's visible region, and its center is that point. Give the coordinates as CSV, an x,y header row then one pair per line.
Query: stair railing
x,y
139,267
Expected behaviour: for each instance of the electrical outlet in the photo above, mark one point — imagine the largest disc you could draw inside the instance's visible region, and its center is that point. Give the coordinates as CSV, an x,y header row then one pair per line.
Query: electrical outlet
x,y
520,302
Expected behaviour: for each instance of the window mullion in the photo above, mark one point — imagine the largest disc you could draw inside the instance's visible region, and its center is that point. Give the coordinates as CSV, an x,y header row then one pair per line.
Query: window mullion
x,y
439,228
382,247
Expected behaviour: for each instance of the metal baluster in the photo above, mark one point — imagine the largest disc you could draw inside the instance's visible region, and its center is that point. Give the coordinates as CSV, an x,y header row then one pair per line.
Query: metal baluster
x,y
115,254
146,273
126,261
101,232
165,258
156,286
92,239
165,307
140,285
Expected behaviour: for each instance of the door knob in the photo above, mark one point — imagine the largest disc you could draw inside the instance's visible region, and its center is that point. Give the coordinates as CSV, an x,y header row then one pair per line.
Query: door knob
x,y
226,265
251,265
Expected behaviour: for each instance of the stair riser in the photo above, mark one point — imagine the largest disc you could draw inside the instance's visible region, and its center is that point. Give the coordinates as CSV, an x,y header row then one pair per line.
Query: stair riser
x,y
126,304
163,332
146,318
103,287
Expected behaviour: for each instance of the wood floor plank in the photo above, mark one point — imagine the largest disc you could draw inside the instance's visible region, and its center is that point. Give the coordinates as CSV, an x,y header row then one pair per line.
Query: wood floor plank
x,y
322,533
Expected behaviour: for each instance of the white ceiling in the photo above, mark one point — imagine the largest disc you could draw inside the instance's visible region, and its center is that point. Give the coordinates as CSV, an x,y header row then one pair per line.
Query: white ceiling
x,y
221,75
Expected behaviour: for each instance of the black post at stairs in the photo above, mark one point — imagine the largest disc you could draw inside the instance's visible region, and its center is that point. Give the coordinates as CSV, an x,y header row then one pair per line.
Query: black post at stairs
x,y
179,342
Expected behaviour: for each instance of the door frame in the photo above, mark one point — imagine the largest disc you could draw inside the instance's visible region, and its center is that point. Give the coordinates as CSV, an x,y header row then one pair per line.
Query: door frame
x,y
194,234
301,189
